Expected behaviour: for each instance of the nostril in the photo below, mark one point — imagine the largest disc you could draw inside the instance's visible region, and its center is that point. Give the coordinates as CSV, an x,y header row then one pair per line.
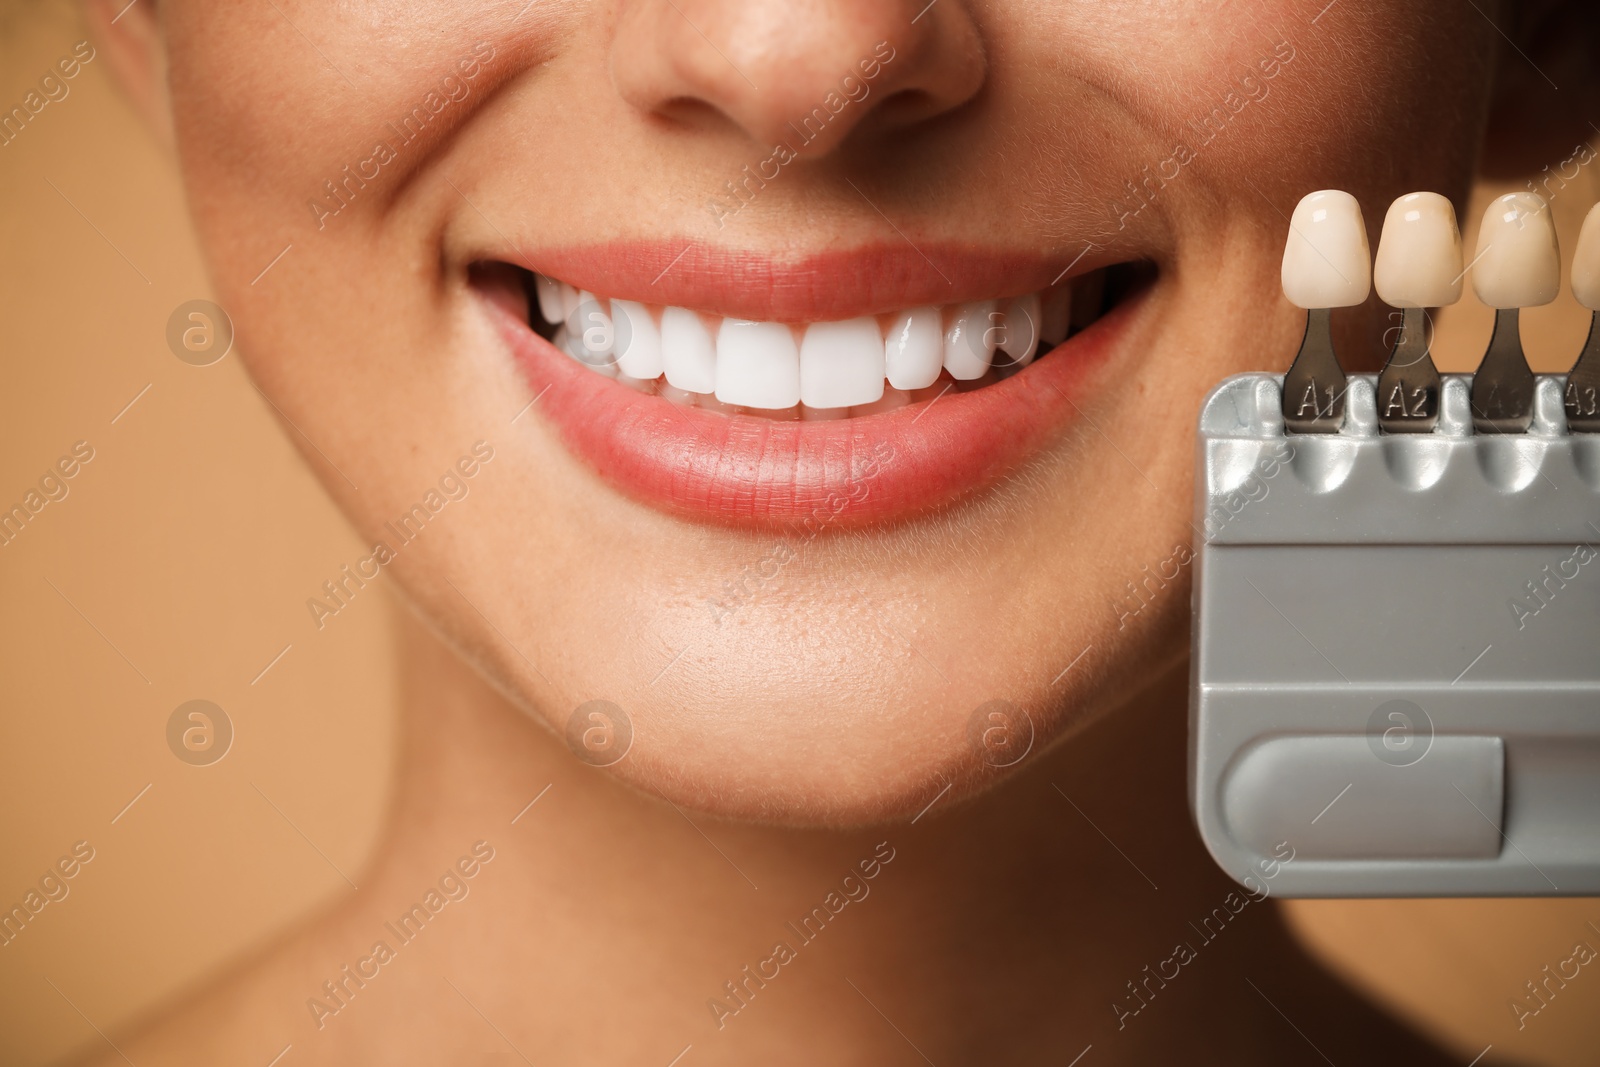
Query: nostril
x,y
693,113
815,70
905,106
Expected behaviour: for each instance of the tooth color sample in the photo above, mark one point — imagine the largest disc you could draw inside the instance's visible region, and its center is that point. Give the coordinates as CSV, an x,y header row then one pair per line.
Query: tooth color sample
x,y
1586,262
1517,264
841,364
688,356
969,340
913,349
1419,254
758,365
1326,262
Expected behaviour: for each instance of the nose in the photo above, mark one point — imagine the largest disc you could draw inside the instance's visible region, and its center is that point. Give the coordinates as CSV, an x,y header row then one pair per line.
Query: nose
x,y
806,73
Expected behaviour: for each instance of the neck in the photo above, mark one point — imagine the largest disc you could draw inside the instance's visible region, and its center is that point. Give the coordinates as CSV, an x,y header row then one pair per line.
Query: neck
x,y
1054,902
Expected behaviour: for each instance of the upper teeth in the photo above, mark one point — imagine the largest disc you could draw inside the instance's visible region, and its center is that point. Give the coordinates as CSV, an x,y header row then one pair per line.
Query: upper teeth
x,y
828,367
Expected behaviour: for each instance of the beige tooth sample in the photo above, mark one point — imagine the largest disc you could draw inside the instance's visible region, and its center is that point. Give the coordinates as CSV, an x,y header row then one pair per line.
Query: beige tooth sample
x,y
1326,263
1583,380
758,365
1019,330
1586,262
1419,254
1517,264
688,355
914,349
841,363
969,340
638,341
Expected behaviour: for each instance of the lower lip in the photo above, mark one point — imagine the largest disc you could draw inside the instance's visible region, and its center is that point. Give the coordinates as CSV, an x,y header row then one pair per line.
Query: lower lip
x,y
743,470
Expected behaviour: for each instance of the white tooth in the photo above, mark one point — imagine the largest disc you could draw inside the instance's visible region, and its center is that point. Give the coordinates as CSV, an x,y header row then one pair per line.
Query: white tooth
x,y
1326,263
688,357
841,363
969,340
668,391
1055,314
593,336
638,340
569,300
758,365
566,342
1517,264
1019,329
913,350
1419,254
549,293
1586,262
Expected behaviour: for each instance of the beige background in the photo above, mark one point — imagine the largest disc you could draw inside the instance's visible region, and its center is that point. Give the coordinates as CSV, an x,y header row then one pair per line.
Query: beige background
x,y
181,561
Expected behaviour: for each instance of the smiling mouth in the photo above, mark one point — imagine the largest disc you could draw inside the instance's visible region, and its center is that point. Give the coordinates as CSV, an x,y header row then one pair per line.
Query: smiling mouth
x,y
785,411
788,371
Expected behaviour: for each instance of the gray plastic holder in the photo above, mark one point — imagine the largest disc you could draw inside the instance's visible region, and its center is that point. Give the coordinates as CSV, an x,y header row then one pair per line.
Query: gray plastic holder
x,y
1396,662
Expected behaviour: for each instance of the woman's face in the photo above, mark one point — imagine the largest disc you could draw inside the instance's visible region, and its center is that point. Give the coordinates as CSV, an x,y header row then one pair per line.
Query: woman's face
x,y
804,611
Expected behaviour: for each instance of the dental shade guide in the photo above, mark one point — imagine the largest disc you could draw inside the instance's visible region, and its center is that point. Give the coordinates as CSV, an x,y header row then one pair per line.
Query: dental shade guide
x,y
1582,394
1418,267
1517,265
1396,618
1325,265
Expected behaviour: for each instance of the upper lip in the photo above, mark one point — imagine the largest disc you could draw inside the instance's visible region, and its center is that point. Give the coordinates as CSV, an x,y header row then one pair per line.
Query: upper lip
x,y
816,287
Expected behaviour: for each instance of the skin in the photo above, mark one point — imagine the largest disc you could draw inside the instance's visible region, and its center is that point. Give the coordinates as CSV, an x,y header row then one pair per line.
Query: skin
x,y
834,705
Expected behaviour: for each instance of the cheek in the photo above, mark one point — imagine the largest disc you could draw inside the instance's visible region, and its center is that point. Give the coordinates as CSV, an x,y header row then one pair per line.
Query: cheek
x,y
1347,103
